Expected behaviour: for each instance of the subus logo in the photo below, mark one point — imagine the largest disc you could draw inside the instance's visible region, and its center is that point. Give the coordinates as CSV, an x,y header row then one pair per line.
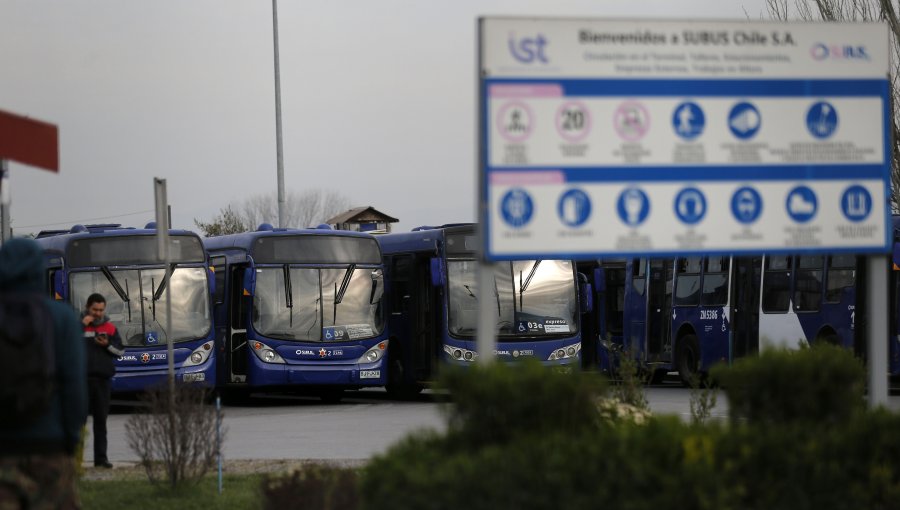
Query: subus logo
x,y
820,51
528,49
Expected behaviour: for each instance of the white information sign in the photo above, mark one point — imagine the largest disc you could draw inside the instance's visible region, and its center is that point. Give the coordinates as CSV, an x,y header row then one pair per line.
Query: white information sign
x,y
645,137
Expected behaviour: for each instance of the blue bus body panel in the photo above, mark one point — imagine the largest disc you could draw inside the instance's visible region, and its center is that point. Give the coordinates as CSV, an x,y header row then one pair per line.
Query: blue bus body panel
x,y
133,374
318,364
710,325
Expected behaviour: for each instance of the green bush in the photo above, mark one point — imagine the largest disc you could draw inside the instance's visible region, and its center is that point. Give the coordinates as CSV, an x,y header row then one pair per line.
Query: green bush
x,y
499,403
821,385
524,438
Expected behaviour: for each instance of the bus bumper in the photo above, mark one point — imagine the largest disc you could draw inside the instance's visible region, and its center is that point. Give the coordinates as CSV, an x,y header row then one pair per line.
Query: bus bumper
x,y
201,376
355,375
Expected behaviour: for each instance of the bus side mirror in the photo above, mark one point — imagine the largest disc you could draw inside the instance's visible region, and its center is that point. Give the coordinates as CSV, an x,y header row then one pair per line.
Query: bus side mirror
x,y
211,278
437,272
59,285
377,286
600,279
585,294
249,283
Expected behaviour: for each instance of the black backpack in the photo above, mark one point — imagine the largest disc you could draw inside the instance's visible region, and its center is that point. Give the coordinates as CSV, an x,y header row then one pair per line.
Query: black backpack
x,y
27,358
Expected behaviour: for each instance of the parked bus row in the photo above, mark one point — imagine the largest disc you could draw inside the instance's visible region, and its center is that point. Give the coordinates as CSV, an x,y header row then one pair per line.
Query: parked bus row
x,y
323,310
686,314
314,309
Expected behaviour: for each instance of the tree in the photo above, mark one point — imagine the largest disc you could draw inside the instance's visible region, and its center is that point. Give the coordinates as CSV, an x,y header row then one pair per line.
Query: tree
x,y
858,10
227,222
305,209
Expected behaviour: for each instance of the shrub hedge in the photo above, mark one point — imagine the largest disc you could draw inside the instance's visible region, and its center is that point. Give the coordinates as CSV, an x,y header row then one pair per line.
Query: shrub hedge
x,y
526,438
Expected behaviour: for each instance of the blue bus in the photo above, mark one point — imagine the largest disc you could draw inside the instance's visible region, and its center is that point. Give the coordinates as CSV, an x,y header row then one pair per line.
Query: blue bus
x,y
689,313
433,298
299,309
122,264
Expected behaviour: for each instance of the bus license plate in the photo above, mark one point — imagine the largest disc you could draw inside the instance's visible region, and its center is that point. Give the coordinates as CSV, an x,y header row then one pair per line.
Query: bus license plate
x,y
194,377
369,374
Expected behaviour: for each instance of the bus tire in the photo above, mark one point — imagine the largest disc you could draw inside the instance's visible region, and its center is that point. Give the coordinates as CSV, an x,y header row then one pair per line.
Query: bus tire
x,y
396,387
689,360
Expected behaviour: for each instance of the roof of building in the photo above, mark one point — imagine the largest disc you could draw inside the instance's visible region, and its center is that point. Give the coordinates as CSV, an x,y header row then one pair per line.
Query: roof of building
x,y
361,214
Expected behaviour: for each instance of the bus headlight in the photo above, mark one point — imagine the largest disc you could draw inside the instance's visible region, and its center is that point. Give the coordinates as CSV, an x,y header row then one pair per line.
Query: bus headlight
x,y
199,355
567,352
374,354
460,354
265,353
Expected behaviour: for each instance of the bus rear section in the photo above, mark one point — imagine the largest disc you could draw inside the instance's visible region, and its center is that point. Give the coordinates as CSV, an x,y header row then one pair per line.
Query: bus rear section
x,y
299,310
121,264
689,313
433,295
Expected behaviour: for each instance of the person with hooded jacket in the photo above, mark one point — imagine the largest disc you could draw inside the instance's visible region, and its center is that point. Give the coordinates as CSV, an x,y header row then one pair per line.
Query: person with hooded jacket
x,y
37,468
103,345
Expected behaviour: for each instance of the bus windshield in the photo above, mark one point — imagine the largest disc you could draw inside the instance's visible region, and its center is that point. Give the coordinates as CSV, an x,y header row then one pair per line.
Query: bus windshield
x,y
318,304
135,302
531,297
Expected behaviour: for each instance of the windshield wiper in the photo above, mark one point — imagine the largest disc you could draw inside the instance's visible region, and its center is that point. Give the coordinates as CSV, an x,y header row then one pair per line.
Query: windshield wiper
x,y
162,286
288,293
471,293
339,293
115,283
344,284
123,294
523,285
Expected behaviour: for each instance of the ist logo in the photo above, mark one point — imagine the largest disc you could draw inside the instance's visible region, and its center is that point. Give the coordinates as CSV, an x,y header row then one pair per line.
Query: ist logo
x,y
322,353
145,357
528,49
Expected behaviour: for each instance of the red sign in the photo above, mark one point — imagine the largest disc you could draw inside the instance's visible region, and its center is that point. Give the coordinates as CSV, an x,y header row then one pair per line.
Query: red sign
x,y
29,141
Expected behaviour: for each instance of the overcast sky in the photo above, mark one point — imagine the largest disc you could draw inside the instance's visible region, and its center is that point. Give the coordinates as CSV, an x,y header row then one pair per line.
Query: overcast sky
x,y
378,100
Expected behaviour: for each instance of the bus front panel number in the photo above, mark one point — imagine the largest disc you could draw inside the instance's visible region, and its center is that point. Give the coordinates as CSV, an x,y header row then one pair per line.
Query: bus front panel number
x,y
709,315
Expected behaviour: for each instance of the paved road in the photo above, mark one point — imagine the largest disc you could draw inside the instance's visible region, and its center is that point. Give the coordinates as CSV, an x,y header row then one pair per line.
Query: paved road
x,y
365,424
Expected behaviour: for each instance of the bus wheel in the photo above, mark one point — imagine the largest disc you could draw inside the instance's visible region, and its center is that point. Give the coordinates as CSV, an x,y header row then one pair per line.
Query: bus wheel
x,y
396,387
689,360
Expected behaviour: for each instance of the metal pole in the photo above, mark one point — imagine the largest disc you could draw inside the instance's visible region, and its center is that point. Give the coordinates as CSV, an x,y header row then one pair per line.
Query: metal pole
x,y
162,236
5,198
877,300
219,438
278,142
488,310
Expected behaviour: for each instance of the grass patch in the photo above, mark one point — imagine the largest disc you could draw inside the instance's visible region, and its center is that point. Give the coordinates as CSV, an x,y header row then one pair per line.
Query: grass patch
x,y
239,492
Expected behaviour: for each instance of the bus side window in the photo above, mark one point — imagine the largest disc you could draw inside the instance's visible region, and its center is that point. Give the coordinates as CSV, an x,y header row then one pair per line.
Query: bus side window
x,y
715,282
808,284
841,274
777,284
687,281
639,275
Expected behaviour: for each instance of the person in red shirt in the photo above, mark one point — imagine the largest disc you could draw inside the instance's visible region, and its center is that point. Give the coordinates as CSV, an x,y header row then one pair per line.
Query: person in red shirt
x,y
103,346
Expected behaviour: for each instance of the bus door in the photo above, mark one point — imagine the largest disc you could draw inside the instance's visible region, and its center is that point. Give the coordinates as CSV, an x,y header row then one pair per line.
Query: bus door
x,y
422,315
236,348
745,287
414,355
635,314
659,311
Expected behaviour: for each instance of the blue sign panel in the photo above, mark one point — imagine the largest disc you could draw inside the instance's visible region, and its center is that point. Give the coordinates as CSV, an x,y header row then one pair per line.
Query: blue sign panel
x,y
600,140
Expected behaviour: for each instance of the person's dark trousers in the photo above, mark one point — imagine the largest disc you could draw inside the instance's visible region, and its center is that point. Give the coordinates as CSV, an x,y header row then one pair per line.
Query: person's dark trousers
x,y
98,396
